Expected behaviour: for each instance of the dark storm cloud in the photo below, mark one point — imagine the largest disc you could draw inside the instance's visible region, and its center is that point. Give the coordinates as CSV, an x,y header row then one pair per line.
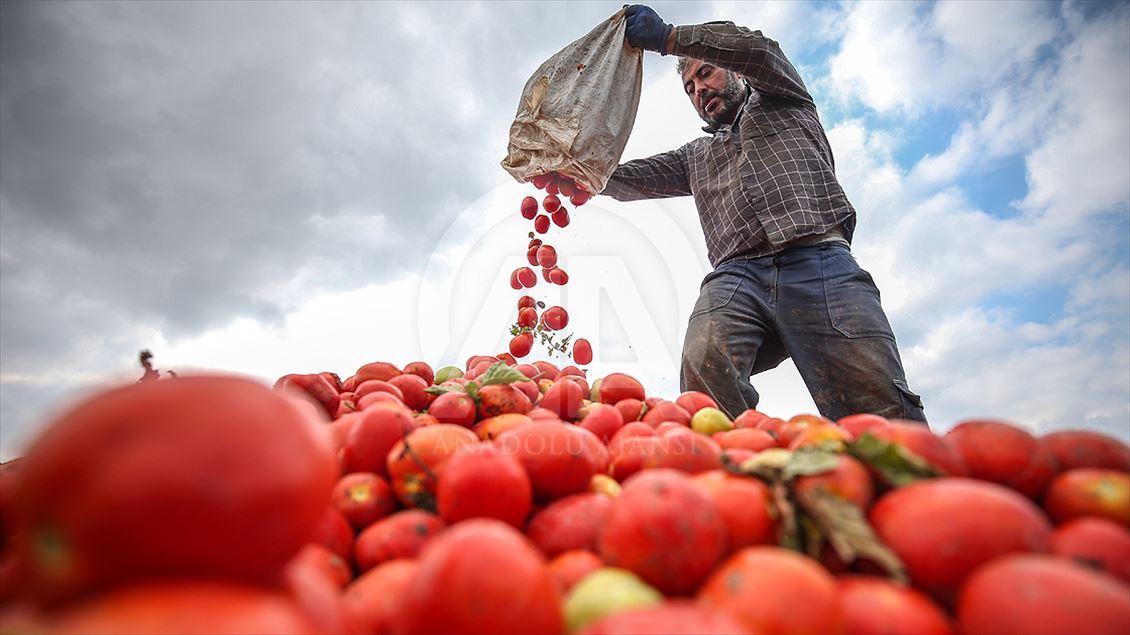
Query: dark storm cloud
x,y
167,168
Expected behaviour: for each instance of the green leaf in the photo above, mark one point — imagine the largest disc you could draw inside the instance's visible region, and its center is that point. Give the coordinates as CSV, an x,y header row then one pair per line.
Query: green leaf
x,y
896,465
843,525
472,390
500,373
807,461
439,390
767,464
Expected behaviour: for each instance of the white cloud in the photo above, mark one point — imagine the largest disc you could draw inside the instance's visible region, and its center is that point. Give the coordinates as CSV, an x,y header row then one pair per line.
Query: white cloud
x,y
910,57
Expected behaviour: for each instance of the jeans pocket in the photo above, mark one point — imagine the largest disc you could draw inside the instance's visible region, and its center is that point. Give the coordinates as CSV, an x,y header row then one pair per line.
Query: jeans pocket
x,y
852,298
911,401
718,289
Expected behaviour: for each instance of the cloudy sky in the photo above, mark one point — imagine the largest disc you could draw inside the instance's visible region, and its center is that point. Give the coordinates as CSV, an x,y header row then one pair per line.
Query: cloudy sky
x,y
267,188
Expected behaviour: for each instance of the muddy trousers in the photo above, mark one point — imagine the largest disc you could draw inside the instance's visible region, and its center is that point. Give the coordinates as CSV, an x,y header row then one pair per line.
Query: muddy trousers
x,y
814,304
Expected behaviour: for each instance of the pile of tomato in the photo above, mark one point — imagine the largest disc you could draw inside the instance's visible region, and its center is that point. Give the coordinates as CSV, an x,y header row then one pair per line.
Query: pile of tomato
x,y
504,497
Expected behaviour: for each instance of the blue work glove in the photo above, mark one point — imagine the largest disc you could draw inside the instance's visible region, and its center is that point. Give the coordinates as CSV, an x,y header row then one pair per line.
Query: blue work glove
x,y
646,30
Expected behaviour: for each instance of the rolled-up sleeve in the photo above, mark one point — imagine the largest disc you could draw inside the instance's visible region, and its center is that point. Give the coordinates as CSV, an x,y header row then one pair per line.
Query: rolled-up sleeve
x,y
660,176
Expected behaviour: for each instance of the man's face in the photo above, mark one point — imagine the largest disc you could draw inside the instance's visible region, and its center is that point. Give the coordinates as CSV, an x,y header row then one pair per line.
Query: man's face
x,y
715,93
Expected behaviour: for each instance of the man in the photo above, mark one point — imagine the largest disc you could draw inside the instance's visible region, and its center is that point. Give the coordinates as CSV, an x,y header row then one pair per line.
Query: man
x,y
778,229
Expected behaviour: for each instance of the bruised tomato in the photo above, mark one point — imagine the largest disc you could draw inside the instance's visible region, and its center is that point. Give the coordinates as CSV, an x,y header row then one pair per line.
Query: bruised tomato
x,y
500,399
204,475
529,207
1098,543
416,462
363,498
401,535
480,576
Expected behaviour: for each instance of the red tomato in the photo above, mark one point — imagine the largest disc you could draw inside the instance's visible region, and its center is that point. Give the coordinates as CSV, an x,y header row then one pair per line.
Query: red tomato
x,y
170,477
521,343
529,207
527,302
547,256
556,318
566,187
527,318
558,276
561,217
541,224
540,181
551,203
579,198
480,576
532,256
527,277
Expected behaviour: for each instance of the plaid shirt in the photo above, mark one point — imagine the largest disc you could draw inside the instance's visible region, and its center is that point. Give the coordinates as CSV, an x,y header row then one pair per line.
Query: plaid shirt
x,y
762,183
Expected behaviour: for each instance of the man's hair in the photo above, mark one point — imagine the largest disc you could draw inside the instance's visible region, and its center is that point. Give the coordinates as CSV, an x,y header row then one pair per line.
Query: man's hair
x,y
680,66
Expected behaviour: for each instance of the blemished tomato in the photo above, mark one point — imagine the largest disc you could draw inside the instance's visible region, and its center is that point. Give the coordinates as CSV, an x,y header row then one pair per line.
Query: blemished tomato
x,y
203,475
529,207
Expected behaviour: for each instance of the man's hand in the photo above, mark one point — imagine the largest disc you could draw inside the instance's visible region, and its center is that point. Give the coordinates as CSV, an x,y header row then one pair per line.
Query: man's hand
x,y
646,30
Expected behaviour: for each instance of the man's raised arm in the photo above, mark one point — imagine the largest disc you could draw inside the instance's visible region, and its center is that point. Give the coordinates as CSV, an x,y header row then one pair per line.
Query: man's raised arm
x,y
661,176
724,44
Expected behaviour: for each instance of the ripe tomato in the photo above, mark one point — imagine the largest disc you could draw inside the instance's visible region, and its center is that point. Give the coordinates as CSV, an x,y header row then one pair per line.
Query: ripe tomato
x,y
582,351
521,343
532,256
556,318
529,207
558,276
547,256
527,302
561,217
540,181
172,477
527,277
480,576
416,462
541,224
551,203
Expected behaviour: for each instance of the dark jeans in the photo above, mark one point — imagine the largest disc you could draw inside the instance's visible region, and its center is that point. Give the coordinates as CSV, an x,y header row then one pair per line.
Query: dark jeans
x,y
814,304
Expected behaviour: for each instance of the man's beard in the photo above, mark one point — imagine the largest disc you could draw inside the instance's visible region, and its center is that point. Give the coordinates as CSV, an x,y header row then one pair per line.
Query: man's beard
x,y
732,95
